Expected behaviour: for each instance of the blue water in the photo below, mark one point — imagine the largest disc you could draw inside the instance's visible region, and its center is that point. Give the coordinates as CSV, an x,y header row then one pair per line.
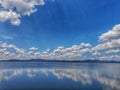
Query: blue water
x,y
59,76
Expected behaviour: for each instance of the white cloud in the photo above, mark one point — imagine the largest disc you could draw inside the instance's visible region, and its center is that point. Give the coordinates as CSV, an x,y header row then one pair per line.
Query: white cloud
x,y
108,49
111,34
72,52
37,53
109,46
13,10
113,51
30,53
33,48
10,15
113,44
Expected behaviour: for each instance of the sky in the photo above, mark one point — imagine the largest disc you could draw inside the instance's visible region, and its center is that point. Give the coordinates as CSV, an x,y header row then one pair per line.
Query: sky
x,y
60,29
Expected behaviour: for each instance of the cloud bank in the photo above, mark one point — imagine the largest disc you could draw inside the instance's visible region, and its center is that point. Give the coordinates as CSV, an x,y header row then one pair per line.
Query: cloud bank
x,y
13,10
108,48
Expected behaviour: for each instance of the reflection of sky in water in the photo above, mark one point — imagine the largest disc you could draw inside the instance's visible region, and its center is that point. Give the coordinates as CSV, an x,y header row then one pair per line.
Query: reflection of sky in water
x,y
104,76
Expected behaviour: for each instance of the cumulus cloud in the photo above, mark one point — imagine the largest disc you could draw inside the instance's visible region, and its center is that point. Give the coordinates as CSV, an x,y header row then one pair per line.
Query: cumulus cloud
x,y
33,48
10,15
13,10
108,49
74,52
111,34
108,45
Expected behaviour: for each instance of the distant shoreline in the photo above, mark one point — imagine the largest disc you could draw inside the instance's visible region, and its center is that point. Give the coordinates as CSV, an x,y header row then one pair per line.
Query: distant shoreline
x,y
76,61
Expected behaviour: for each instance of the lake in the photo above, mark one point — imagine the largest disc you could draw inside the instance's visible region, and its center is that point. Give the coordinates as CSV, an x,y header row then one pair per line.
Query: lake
x,y
59,76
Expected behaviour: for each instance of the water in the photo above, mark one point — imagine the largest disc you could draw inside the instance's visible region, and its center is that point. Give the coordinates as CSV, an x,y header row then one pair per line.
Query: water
x,y
59,76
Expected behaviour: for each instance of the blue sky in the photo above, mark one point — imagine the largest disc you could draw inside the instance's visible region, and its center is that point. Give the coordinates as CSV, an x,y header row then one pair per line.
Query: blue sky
x,y
57,22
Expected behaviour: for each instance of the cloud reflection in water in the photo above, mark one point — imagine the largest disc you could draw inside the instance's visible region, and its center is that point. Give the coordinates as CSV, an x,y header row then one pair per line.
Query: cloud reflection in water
x,y
107,75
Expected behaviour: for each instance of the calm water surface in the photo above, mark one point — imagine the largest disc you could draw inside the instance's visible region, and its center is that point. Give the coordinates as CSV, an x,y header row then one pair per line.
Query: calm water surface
x,y
59,76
